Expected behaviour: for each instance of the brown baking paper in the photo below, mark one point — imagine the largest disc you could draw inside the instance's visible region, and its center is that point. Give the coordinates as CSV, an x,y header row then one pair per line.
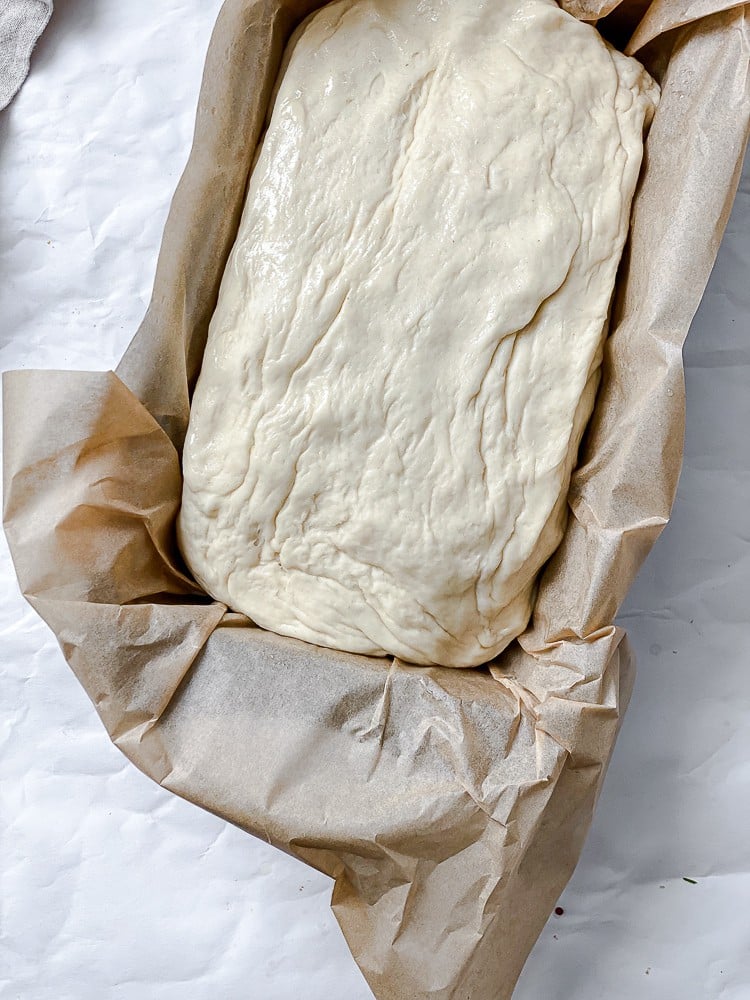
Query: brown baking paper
x,y
449,806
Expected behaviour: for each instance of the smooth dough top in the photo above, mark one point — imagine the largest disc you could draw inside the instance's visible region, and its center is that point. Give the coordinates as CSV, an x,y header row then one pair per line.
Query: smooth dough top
x,y
405,348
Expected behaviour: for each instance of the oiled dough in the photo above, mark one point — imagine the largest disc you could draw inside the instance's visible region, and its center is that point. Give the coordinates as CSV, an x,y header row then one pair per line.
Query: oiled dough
x,y
404,351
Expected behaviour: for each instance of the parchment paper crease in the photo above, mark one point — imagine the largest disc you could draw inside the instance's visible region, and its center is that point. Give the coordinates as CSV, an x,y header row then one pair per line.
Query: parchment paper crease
x,y
450,806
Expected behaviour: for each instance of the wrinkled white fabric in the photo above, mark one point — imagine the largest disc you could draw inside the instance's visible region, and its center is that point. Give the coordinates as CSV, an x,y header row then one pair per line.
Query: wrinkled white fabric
x,y
406,344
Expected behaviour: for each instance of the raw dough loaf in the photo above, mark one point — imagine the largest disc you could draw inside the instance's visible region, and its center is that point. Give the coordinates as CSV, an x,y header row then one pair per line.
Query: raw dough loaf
x,y
405,348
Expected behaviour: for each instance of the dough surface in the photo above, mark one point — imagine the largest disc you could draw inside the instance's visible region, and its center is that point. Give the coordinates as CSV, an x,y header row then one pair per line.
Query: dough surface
x,y
406,344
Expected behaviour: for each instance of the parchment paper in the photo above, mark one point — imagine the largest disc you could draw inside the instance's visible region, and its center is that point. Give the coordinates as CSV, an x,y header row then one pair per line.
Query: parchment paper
x,y
447,805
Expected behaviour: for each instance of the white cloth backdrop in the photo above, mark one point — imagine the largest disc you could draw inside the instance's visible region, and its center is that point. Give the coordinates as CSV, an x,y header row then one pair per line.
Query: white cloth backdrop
x,y
112,889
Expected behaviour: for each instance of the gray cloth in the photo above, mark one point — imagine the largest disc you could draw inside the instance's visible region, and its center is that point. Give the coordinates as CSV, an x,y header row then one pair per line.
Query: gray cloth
x,y
21,23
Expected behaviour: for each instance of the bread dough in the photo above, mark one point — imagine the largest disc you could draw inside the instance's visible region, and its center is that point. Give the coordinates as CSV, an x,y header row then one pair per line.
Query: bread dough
x,y
405,348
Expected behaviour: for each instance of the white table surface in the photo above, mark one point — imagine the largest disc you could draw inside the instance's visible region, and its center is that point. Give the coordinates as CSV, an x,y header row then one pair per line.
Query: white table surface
x,y
113,889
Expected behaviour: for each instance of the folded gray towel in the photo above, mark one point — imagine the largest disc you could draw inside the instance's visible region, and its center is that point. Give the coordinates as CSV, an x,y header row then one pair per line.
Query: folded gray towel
x,y
21,23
